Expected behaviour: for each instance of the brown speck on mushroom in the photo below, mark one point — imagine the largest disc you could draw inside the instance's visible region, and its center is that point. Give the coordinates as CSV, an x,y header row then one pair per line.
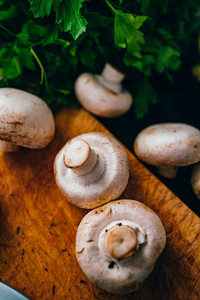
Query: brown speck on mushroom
x,y
119,224
81,251
18,230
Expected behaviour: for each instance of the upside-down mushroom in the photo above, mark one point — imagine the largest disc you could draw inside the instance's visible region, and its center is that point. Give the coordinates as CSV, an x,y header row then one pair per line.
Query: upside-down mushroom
x,y
25,120
117,245
91,169
103,95
168,146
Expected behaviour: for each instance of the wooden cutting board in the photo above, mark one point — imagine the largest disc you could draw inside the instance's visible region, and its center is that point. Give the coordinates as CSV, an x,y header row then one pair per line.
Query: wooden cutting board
x,y
38,226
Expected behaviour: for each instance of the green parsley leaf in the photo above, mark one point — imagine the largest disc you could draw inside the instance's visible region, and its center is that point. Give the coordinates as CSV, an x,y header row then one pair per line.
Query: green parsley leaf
x,y
2,2
10,66
26,57
23,35
144,97
69,17
95,19
88,58
52,35
127,35
40,8
8,14
167,58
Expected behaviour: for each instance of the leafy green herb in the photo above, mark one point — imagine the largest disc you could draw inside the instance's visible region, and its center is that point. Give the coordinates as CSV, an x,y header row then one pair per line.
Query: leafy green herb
x,y
145,96
46,44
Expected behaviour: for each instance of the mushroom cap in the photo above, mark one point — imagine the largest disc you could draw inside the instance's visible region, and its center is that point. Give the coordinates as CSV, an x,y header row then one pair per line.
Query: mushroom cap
x,y
168,145
126,275
89,191
101,100
25,119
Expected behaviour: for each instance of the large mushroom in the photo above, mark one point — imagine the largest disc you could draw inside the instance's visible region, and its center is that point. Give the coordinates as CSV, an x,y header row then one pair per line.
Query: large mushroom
x,y
25,120
91,169
168,146
117,245
103,95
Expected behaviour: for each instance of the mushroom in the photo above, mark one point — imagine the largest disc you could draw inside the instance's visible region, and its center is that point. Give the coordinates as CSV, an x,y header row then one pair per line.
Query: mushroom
x,y
91,169
103,95
117,245
168,146
25,120
195,180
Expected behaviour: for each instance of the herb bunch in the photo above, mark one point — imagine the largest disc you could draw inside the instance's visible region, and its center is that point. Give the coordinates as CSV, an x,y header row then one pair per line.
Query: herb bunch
x,y
46,44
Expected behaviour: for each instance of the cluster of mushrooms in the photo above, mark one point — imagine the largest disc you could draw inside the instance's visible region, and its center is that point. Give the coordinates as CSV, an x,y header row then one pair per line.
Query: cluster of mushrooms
x,y
118,241
167,146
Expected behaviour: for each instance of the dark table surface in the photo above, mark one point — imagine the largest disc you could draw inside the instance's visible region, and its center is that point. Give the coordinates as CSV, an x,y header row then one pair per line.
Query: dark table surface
x,y
175,104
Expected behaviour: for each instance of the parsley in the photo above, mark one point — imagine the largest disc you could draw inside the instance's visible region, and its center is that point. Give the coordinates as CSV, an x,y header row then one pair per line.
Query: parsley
x,y
46,44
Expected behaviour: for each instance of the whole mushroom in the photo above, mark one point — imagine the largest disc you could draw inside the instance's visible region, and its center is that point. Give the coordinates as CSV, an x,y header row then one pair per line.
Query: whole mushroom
x,y
168,146
195,180
117,245
91,169
103,95
25,120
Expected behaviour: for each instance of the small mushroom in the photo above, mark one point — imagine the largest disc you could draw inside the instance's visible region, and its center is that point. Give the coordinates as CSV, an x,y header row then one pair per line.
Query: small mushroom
x,y
195,180
117,245
103,95
168,146
91,169
25,120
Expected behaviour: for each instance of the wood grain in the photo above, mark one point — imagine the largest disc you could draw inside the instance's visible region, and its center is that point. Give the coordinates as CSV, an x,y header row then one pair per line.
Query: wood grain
x,y
38,226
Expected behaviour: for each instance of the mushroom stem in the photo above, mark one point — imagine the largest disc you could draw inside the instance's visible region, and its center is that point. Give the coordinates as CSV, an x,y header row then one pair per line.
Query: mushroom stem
x,y
111,78
8,147
121,242
111,74
80,157
168,172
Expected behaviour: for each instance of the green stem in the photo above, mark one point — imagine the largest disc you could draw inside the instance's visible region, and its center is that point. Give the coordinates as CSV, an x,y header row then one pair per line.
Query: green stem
x,y
8,31
43,73
110,6
61,41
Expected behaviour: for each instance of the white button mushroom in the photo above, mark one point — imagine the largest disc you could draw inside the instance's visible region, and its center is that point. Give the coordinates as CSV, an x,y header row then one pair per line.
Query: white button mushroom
x,y
195,180
91,169
117,245
103,95
25,120
168,146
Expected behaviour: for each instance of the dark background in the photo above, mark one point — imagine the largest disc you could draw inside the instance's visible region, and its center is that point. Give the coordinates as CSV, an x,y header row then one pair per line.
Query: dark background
x,y
179,102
